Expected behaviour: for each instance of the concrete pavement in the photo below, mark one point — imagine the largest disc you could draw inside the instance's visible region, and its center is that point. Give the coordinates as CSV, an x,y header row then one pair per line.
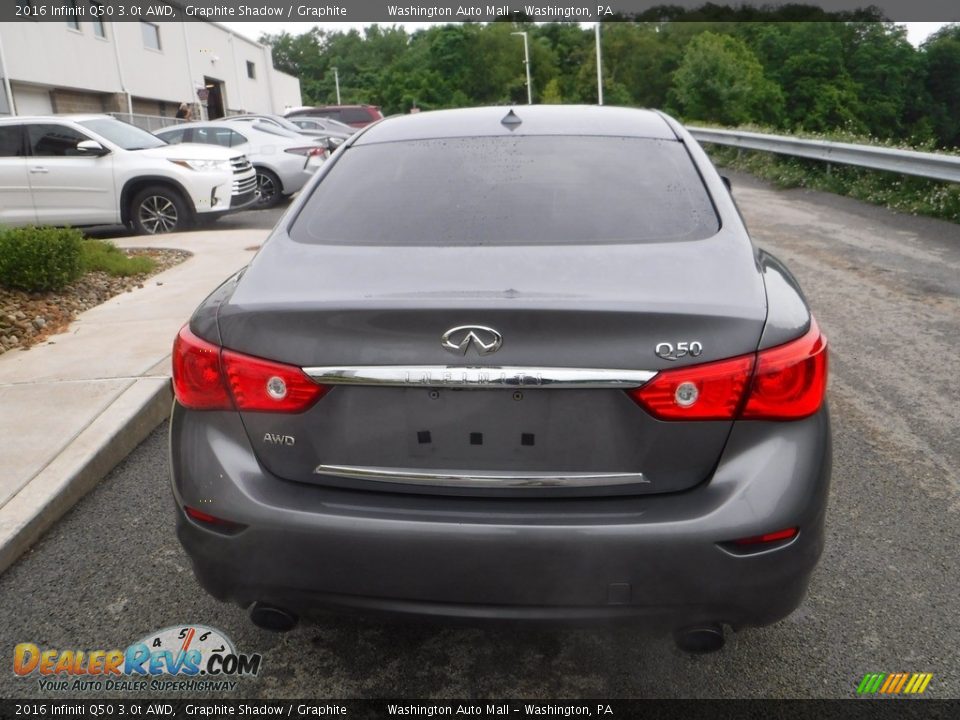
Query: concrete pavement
x,y
74,406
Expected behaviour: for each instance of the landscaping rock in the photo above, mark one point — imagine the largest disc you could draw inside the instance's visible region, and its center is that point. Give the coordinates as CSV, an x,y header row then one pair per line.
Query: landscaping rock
x,y
29,318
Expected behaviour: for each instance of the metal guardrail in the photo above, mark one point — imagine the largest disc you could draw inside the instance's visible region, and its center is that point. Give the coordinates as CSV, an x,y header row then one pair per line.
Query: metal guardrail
x,y
934,166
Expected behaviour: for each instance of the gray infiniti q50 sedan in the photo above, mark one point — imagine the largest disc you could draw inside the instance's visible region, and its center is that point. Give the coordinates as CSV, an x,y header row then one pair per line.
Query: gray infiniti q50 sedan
x,y
512,364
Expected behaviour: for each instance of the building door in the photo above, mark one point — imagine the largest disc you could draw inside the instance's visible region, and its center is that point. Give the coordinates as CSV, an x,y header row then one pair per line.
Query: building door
x,y
32,100
215,104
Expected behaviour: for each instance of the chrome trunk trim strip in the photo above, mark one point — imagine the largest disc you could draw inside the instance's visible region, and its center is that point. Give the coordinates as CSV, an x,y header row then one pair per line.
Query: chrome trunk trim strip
x,y
484,377
475,478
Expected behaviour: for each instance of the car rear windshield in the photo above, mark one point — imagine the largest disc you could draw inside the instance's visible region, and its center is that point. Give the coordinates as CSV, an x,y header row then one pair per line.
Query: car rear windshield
x,y
532,190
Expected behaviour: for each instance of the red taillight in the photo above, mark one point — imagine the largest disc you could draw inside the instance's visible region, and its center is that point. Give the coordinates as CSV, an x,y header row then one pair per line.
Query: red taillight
x,y
786,382
790,379
206,377
265,386
711,391
312,151
212,520
198,381
770,537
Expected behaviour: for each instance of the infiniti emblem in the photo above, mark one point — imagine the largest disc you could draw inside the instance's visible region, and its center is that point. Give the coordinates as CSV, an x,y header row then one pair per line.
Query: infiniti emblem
x,y
484,340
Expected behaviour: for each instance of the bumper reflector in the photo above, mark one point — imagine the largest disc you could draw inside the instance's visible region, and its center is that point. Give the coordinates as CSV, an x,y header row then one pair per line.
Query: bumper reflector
x,y
768,538
212,522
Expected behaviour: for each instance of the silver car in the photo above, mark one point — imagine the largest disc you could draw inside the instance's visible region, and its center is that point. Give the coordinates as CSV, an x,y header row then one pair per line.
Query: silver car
x,y
510,364
331,139
327,126
284,161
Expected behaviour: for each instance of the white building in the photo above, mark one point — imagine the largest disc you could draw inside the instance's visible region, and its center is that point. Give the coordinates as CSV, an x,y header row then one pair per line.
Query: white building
x,y
86,65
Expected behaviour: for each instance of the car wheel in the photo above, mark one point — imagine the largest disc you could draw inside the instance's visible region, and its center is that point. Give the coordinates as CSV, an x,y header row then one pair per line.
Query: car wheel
x,y
158,209
268,189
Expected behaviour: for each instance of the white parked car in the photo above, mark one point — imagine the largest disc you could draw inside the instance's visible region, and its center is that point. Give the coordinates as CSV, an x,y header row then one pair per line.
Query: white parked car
x,y
283,161
95,170
322,125
331,138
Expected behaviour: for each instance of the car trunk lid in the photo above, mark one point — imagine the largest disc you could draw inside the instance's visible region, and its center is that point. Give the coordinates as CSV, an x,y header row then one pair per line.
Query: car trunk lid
x,y
464,422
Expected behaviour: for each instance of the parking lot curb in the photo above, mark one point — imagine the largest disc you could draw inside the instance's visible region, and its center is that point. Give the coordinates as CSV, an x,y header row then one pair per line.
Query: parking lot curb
x,y
79,467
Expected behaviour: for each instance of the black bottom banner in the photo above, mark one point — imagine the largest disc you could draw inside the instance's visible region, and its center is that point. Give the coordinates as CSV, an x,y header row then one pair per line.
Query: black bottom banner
x,y
647,709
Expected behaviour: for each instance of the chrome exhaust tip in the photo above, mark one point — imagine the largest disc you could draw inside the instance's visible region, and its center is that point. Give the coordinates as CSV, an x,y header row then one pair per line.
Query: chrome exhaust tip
x,y
272,618
700,639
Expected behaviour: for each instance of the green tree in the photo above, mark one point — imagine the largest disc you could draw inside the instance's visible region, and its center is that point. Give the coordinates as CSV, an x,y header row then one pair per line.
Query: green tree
x,y
844,71
721,80
941,81
808,61
552,94
886,69
572,48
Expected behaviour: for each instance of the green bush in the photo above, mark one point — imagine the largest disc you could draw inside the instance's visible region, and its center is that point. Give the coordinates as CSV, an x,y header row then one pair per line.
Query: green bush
x,y
39,258
105,256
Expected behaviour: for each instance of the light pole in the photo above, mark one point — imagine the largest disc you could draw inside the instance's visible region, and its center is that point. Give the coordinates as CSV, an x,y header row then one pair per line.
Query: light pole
x,y
526,62
599,67
336,79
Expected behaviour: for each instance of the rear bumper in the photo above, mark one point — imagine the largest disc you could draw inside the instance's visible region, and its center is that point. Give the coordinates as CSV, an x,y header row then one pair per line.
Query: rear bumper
x,y
294,180
651,558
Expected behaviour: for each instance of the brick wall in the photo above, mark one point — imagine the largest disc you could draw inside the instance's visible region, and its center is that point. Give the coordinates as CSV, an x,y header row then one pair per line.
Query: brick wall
x,y
143,106
73,101
115,102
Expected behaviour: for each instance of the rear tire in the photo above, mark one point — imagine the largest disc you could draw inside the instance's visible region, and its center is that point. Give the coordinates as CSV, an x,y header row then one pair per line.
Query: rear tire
x,y
268,189
158,209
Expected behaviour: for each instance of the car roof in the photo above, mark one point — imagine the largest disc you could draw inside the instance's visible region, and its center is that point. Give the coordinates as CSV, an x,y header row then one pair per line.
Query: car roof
x,y
582,120
271,116
198,123
54,118
270,131
334,107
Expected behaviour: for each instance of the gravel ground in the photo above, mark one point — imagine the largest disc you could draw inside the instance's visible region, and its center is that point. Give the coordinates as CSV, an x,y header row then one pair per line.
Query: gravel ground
x,y
29,318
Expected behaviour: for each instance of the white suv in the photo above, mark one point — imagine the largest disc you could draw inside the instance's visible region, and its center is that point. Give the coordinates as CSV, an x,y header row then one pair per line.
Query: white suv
x,y
95,170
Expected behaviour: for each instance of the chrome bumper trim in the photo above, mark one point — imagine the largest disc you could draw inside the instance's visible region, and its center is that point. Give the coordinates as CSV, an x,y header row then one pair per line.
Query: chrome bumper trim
x,y
464,478
479,377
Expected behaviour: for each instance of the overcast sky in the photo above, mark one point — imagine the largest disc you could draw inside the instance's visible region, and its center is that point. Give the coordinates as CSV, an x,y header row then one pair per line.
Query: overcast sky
x,y
917,32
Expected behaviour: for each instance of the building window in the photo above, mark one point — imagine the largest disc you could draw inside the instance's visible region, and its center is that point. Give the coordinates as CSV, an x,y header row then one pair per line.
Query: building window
x,y
72,12
151,35
251,70
96,12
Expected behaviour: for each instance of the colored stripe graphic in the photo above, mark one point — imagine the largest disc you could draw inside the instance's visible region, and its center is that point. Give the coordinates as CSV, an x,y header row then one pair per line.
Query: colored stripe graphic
x,y
898,685
889,683
894,683
870,683
915,682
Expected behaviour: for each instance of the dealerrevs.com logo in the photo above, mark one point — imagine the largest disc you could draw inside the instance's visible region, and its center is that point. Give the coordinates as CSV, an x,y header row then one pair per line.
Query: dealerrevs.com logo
x,y
181,658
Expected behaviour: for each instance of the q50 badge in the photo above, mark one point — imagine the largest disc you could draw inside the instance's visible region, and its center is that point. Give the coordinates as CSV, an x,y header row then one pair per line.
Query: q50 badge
x,y
671,352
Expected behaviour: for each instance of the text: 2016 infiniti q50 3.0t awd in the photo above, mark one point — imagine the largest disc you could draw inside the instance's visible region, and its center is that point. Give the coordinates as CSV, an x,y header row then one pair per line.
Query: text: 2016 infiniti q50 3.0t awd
x,y
519,364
